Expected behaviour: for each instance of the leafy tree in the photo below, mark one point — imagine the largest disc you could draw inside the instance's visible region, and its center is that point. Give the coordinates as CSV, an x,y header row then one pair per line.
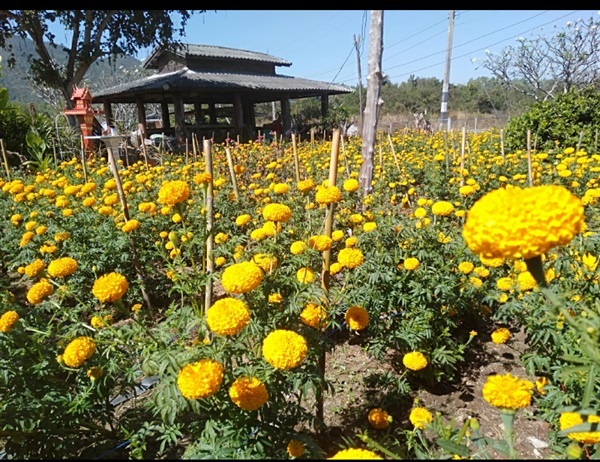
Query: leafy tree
x,y
95,34
544,66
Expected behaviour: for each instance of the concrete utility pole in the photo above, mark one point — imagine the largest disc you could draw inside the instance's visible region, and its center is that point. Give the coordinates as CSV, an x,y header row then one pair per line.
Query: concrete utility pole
x,y
444,111
374,101
360,95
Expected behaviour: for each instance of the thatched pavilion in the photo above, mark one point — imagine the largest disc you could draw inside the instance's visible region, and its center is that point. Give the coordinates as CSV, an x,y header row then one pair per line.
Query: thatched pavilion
x,y
223,85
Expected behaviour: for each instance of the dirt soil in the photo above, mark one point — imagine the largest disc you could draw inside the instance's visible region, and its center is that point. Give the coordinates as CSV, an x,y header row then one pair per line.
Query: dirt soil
x,y
346,411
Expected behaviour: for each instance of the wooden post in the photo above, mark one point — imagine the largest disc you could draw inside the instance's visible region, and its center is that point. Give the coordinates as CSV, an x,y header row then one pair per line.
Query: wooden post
x,y
232,173
529,167
312,137
186,150
207,144
296,163
195,146
462,156
394,153
54,154
83,163
345,157
5,159
502,144
580,140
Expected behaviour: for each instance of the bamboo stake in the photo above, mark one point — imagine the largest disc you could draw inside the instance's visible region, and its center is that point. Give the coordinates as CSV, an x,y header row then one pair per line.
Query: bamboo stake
x,y
394,153
207,144
325,277
195,147
138,269
296,163
502,144
529,166
5,160
446,150
580,140
462,156
54,153
186,150
345,157
83,163
380,155
312,137
143,142
232,173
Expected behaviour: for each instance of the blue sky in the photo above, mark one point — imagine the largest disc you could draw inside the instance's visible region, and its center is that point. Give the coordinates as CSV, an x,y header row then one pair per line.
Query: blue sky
x,y
320,43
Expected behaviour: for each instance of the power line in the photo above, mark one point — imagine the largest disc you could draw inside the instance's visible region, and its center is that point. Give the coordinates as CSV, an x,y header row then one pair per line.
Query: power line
x,y
345,61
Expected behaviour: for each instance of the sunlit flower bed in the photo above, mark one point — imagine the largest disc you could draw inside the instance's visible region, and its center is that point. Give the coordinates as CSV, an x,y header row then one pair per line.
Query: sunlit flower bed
x,y
231,290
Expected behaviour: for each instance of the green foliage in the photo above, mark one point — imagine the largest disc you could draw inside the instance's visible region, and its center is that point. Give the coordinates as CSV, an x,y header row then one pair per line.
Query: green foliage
x,y
558,123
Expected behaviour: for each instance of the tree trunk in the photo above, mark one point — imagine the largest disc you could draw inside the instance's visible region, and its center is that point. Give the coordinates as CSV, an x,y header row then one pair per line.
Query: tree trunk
x,y
374,101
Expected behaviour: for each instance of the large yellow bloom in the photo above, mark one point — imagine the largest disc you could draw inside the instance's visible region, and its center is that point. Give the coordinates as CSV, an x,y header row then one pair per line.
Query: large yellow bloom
x,y
523,223
420,417
62,267
320,242
570,419
306,185
295,448
110,287
305,275
34,268
284,349
8,320
351,185
39,292
241,277
248,393
357,318
328,194
78,350
313,315
507,392
227,316
350,257
173,192
267,262
354,454
298,247
501,335
200,379
277,212
131,225
415,360
442,208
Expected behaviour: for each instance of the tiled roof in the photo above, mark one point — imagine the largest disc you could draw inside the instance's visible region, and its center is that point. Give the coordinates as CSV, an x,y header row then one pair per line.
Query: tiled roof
x,y
212,51
189,80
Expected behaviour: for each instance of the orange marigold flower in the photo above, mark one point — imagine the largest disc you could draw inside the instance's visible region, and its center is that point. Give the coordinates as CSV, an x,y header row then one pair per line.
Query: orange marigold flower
x,y
420,417
200,379
228,316
284,349
78,351
241,277
8,320
354,454
39,292
34,268
248,393
350,257
62,267
379,418
173,192
277,212
507,392
357,318
110,287
314,315
570,419
328,194
415,360
320,242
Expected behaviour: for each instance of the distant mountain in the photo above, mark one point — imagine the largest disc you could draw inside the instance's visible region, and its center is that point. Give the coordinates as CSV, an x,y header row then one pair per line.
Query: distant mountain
x,y
17,81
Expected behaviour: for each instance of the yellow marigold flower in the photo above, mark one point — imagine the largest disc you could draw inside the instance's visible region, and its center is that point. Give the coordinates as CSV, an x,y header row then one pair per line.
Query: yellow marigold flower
x,y
8,320
203,178
354,454
41,230
281,188
379,419
78,350
34,268
570,419
526,281
110,287
335,268
173,192
248,393
337,235
104,210
30,225
306,185
62,236
295,448
275,298
523,223
113,199
228,316
415,360
298,247
420,417
26,239
130,225
305,275
243,219
48,248
328,194
481,271
369,226
200,379
442,208
284,349
94,373
62,267
411,263
280,213
314,315
589,261
97,322
356,218
220,261
177,218
270,228
351,241
356,317
507,392
258,234
466,267
265,261
476,282
241,277
350,257
540,383
420,212
221,238
137,307
320,242
351,185
39,292
505,283
501,335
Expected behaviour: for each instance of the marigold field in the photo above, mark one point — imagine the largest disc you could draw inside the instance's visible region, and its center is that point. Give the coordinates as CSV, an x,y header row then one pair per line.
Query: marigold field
x,y
225,278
